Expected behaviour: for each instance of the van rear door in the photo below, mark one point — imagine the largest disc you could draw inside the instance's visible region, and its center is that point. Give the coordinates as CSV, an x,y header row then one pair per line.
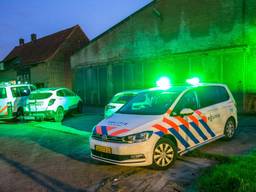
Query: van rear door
x,y
3,102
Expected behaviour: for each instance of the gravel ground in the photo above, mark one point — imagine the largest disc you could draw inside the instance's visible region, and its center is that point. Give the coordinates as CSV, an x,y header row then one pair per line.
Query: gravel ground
x,y
33,157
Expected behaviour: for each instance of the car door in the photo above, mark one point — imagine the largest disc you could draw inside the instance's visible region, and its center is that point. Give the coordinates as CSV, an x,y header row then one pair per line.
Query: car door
x,y
210,110
189,126
62,99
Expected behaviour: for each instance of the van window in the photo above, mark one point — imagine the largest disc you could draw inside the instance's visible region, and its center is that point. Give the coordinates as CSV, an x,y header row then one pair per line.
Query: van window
x,y
3,94
211,95
223,94
122,98
20,91
188,100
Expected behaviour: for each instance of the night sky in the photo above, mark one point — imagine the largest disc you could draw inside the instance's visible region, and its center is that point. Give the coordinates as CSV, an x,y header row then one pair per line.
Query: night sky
x,y
20,18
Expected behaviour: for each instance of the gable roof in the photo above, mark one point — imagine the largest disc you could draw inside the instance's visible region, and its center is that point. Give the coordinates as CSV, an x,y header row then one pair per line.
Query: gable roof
x,y
41,49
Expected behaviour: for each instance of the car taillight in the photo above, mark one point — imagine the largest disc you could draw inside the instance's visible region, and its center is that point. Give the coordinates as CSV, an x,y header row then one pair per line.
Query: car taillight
x,y
51,102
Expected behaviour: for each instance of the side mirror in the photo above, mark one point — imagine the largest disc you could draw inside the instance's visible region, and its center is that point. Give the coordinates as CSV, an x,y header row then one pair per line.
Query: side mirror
x,y
186,111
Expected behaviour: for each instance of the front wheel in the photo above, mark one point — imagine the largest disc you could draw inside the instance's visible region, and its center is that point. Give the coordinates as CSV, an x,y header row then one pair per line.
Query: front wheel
x,y
164,154
230,129
59,114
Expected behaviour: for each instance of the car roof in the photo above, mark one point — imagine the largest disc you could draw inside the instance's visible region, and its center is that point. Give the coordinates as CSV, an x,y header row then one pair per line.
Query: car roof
x,y
50,89
4,85
178,88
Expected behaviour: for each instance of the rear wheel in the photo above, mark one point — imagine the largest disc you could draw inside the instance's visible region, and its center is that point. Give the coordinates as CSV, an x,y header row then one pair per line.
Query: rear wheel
x,y
230,129
164,154
59,114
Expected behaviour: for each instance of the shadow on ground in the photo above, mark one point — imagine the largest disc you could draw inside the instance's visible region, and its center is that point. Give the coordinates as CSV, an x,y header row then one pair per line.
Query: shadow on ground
x,y
41,179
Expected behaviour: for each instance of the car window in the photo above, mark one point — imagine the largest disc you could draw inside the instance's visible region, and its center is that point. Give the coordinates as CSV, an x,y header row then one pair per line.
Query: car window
x,y
32,88
69,93
211,95
223,94
3,94
122,98
150,103
60,93
188,100
40,95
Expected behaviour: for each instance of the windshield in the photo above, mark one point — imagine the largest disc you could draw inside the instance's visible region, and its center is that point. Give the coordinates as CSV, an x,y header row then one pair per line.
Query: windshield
x,y
150,103
122,98
43,95
3,94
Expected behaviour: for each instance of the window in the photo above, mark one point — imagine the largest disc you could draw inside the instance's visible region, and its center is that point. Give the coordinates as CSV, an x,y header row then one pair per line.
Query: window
x,y
150,103
43,95
3,94
122,98
32,88
211,95
188,100
60,93
69,93
20,91
223,94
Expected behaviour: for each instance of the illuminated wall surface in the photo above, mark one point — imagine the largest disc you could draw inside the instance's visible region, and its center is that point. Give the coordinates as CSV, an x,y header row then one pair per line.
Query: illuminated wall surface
x,y
212,39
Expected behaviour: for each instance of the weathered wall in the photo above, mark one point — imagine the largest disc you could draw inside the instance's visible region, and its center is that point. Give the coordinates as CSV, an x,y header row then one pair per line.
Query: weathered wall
x,y
8,75
212,39
39,74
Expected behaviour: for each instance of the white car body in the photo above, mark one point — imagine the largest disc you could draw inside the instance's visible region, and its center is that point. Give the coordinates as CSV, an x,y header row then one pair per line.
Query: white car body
x,y
44,102
13,98
108,142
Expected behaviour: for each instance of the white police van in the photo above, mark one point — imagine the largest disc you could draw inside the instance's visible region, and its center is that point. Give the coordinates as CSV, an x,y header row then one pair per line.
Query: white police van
x,y
157,125
13,99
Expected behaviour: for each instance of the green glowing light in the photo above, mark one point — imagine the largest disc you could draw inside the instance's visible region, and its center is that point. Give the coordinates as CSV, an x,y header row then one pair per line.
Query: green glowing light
x,y
163,83
193,81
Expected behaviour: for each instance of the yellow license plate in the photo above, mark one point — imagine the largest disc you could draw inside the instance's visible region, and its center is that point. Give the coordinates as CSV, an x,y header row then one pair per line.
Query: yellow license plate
x,y
103,149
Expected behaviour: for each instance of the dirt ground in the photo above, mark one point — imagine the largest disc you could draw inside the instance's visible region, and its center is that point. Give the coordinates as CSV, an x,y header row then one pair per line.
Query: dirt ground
x,y
34,158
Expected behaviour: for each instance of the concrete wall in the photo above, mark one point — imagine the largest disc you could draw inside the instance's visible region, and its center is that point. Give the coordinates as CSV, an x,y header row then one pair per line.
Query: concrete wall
x,y
8,75
213,39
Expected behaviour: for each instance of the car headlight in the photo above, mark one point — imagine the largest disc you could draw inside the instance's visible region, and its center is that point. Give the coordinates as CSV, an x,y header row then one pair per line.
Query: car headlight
x,y
139,137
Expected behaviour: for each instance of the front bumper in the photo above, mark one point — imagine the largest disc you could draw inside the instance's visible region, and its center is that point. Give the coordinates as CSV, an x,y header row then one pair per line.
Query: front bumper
x,y
136,154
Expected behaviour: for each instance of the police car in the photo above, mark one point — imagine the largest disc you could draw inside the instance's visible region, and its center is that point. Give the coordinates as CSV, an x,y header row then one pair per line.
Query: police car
x,y
13,99
52,103
119,100
157,125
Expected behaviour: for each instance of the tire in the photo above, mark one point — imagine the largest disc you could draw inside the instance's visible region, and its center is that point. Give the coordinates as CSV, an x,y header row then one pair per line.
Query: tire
x,y
80,107
164,154
230,129
59,114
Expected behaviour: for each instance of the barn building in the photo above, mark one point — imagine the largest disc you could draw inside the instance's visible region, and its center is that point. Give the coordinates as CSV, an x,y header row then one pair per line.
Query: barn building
x,y
212,39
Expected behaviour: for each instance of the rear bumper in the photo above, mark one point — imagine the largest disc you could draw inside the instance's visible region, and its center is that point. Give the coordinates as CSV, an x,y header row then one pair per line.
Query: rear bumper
x,y
40,114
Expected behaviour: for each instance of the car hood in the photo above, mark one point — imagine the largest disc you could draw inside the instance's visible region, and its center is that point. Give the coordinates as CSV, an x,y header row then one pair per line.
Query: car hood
x,y
128,122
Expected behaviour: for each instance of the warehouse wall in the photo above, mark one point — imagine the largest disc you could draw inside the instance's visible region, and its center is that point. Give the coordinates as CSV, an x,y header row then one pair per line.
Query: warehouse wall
x,y
213,39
